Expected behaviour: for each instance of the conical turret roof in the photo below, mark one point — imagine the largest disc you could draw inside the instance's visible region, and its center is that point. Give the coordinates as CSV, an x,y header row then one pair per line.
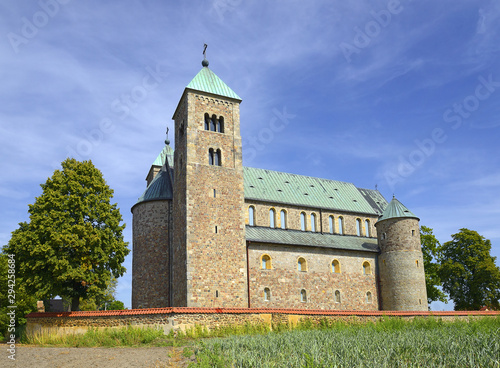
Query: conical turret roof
x,y
395,209
207,81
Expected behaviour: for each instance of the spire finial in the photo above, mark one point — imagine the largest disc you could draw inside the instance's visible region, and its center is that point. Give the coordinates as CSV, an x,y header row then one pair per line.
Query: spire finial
x,y
167,141
205,61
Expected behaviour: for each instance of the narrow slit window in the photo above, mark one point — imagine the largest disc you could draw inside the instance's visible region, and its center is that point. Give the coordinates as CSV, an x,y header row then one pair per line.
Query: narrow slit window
x,y
367,226
331,224
303,221
272,218
267,294
341,225
337,296
303,296
313,222
283,219
251,216
359,230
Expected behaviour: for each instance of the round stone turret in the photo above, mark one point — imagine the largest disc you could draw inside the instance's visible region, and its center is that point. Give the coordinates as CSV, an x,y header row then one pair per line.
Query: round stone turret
x,y
152,233
401,264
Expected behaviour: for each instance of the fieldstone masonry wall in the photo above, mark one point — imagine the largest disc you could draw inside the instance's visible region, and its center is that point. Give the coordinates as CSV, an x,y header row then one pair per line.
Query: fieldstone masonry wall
x,y
261,215
401,265
285,282
208,203
182,319
150,271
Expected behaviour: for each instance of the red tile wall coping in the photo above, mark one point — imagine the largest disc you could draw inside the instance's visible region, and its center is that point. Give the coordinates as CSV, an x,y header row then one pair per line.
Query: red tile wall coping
x,y
150,311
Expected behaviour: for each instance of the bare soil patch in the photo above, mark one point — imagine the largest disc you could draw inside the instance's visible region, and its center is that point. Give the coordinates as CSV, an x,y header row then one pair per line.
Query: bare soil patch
x,y
47,357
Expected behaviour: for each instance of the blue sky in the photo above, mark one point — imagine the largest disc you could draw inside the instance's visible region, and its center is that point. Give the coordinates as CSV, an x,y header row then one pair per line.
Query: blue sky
x,y
399,94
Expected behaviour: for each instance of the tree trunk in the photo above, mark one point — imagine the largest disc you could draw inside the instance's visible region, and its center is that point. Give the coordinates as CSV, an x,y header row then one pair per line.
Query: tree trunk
x,y
75,303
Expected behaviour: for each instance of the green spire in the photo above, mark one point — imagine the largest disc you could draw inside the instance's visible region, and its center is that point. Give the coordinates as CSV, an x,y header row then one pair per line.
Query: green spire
x,y
207,81
395,209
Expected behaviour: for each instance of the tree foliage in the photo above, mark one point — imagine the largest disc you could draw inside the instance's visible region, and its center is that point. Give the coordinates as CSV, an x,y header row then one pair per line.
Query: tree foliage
x,y
24,303
431,251
468,271
73,242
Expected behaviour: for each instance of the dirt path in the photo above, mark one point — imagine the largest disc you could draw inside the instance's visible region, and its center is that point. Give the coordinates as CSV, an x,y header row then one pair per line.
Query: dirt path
x,y
36,357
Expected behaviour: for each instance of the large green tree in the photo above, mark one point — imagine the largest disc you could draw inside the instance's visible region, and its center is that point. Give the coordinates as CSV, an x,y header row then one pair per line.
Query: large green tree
x,y
430,250
468,271
73,242
13,297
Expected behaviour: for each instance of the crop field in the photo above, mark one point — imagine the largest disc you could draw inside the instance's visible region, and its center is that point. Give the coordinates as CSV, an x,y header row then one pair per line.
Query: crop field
x,y
389,343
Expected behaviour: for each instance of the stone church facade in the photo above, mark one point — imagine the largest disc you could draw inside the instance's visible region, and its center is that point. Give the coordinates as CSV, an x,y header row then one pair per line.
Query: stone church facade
x,y
208,232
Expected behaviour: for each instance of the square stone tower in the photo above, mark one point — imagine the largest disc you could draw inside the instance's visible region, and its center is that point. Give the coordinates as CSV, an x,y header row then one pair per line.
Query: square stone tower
x,y
209,247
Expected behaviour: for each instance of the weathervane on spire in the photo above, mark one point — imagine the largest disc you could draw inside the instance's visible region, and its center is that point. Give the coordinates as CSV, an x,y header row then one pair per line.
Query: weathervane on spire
x,y
205,61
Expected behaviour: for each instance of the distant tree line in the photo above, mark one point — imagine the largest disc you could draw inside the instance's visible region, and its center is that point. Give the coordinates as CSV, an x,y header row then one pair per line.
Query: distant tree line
x,y
461,269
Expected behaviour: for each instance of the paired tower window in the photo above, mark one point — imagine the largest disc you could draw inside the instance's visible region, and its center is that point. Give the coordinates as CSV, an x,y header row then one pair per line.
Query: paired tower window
x,y
214,157
283,219
213,124
303,221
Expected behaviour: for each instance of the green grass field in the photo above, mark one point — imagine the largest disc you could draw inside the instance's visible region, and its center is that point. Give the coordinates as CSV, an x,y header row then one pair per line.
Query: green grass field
x,y
390,343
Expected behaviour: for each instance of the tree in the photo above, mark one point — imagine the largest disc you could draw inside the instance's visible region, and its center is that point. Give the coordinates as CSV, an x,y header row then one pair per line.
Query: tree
x,y
73,241
430,250
468,271
23,302
99,299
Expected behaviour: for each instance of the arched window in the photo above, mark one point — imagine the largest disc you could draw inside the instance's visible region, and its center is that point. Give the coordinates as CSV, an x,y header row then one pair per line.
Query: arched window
x,y
207,122
335,266
211,156
265,262
301,265
384,236
267,294
313,222
251,216
368,297
302,221
213,122
272,218
220,124
331,224
218,158
367,226
337,296
283,219
359,230
341,225
367,269
303,296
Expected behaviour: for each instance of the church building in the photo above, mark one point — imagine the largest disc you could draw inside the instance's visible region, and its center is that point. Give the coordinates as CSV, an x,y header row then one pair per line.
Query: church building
x,y
209,232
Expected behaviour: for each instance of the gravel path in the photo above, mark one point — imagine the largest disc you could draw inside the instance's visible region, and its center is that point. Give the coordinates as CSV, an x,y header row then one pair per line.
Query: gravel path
x,y
36,357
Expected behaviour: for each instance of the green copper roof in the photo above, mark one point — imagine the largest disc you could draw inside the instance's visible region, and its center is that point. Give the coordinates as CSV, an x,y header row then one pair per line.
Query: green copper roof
x,y
166,151
395,209
207,81
306,191
160,188
307,238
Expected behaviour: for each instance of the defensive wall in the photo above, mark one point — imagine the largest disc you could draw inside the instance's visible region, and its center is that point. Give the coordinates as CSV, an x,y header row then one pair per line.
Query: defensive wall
x,y
182,319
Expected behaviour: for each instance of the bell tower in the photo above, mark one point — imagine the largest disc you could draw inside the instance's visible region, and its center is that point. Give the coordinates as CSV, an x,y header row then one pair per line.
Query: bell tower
x,y
209,250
